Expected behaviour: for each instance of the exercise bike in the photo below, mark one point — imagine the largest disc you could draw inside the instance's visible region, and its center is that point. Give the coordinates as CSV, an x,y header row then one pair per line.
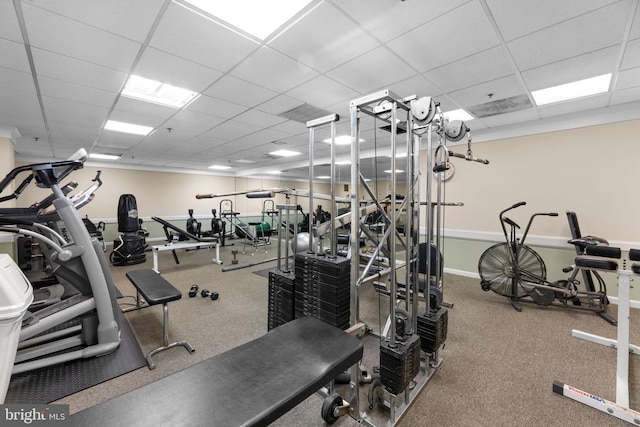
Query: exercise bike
x,y
514,270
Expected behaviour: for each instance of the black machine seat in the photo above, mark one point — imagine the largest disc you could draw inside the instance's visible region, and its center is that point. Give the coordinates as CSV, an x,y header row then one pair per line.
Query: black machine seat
x,y
250,385
156,290
597,263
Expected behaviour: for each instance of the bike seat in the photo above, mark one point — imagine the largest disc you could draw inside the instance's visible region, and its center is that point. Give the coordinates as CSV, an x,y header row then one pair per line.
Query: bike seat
x,y
585,241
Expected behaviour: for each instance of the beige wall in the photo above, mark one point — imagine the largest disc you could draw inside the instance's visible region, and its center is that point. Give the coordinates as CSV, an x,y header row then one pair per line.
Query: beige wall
x,y
591,170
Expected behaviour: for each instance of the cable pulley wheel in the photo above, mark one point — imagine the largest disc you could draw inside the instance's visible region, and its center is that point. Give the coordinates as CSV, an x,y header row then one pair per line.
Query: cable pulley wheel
x,y
423,110
455,130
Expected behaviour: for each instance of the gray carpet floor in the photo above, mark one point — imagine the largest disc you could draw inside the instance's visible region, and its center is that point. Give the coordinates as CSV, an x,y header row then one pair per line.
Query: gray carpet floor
x,y
498,365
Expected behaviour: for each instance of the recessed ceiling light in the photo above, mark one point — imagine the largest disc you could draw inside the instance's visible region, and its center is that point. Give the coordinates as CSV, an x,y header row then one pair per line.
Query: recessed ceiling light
x,y
458,114
245,161
397,171
285,153
343,162
323,177
219,167
274,172
258,17
127,128
341,140
158,93
104,156
573,90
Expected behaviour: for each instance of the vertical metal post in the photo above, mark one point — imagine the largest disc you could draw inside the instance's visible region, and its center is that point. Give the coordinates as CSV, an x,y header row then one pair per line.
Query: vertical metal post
x,y
355,213
334,209
392,236
310,213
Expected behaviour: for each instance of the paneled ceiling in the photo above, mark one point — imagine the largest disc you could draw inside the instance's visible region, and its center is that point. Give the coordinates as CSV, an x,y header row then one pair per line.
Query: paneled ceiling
x,y
63,64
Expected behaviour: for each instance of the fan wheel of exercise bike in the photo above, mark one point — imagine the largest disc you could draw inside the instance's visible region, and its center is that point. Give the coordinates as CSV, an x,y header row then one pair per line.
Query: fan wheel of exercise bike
x,y
496,270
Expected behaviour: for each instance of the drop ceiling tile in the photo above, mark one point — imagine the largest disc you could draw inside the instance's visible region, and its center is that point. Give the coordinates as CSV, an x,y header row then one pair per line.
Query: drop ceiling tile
x,y
20,109
279,104
240,92
142,108
192,123
487,65
628,79
479,94
232,129
14,56
258,118
216,107
192,36
568,39
635,28
515,19
131,19
17,80
71,113
272,70
76,93
357,73
9,27
135,118
322,91
324,39
82,73
291,127
176,71
579,67
631,56
440,41
386,20
626,96
76,40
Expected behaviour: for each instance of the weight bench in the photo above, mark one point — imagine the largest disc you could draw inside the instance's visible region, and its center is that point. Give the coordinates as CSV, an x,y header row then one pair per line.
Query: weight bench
x,y
156,290
196,242
253,384
620,408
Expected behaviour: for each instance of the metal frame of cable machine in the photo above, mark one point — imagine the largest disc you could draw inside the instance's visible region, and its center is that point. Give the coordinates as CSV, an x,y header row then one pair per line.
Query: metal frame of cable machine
x,y
386,106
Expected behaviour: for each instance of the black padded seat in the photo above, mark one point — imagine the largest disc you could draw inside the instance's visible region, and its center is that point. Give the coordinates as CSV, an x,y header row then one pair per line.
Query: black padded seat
x,y
156,290
253,384
596,263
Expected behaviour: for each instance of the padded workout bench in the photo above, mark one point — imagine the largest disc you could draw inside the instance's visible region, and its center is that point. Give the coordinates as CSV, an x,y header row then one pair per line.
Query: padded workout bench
x,y
156,290
253,384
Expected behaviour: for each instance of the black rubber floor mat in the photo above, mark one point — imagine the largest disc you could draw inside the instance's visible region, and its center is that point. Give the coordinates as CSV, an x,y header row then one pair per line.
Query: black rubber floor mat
x,y
47,385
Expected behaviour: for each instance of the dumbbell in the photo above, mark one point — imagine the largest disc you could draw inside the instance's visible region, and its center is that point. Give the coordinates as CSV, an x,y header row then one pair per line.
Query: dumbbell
x,y
234,253
194,290
205,293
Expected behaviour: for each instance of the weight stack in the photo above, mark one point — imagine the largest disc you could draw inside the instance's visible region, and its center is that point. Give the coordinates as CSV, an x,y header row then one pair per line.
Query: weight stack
x,y
281,298
323,288
432,329
399,365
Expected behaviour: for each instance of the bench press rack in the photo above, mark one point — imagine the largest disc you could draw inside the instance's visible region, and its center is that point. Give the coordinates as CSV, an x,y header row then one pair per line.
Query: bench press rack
x,y
620,408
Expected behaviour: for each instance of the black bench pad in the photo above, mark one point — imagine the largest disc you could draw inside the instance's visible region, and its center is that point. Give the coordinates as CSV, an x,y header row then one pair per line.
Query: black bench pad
x,y
586,261
153,287
250,385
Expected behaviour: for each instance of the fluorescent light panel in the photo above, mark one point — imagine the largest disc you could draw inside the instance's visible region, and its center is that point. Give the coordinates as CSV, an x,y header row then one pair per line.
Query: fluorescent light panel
x,y
285,153
158,93
219,167
573,90
103,156
341,140
259,18
127,128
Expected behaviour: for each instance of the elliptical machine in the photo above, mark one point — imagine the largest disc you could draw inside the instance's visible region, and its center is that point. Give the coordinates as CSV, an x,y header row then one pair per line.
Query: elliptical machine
x,y
83,324
131,245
